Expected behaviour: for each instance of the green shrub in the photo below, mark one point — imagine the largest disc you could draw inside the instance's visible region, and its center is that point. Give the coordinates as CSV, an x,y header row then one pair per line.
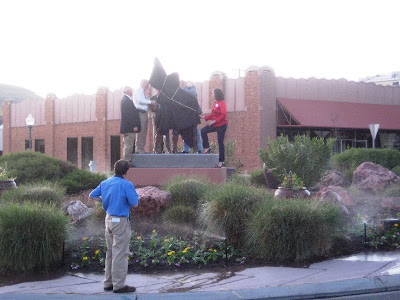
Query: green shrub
x,y
36,192
350,159
396,170
228,208
180,214
257,178
186,191
308,158
78,180
31,236
292,230
30,166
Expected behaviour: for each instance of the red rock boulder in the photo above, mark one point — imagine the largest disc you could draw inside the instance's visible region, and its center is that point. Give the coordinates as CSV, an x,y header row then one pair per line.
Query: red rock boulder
x,y
152,201
372,178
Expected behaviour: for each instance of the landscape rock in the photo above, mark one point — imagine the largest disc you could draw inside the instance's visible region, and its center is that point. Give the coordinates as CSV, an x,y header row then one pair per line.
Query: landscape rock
x,y
337,196
372,177
152,201
77,210
345,197
332,177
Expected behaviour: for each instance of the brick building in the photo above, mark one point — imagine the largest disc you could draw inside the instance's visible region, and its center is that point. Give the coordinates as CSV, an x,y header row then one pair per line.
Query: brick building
x,y
82,128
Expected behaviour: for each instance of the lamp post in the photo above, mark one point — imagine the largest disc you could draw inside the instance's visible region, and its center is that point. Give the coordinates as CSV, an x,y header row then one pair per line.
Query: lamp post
x,y
29,122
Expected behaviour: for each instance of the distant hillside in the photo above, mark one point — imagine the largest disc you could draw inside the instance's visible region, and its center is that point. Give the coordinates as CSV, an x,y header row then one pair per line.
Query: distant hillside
x,y
14,94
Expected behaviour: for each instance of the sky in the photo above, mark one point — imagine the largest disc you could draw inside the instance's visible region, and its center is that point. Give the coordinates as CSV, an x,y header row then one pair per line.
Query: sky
x,y
71,47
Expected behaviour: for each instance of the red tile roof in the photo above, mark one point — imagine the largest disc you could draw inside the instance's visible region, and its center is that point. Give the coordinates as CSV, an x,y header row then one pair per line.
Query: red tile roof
x,y
316,113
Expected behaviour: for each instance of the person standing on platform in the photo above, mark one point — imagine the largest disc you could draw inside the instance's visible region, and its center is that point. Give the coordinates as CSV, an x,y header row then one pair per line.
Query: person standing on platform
x,y
117,196
216,121
130,123
142,104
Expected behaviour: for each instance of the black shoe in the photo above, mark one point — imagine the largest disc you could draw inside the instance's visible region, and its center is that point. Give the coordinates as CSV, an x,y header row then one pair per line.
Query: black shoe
x,y
109,288
184,152
126,289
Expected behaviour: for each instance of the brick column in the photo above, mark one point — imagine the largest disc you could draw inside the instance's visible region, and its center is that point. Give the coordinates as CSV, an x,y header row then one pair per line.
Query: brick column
x,y
6,127
251,122
100,144
49,124
267,104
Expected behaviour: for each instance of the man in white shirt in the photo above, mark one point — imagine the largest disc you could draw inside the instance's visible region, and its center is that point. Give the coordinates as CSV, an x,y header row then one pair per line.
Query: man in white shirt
x,y
141,103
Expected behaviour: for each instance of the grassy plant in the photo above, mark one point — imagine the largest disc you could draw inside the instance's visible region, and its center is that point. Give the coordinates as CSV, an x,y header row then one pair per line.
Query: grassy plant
x,y
187,191
257,178
240,180
31,236
180,214
292,230
392,191
308,158
78,180
36,192
228,209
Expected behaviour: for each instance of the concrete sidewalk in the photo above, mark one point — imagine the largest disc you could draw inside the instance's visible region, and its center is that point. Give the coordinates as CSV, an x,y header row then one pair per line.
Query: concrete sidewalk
x,y
357,274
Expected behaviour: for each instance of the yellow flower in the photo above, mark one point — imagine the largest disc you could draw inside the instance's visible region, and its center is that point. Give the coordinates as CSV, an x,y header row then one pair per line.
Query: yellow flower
x,y
139,237
96,252
211,249
85,258
215,250
396,225
154,231
166,240
171,253
84,238
186,250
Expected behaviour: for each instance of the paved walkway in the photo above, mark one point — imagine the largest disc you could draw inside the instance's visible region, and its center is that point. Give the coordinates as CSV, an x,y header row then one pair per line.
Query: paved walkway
x,y
357,274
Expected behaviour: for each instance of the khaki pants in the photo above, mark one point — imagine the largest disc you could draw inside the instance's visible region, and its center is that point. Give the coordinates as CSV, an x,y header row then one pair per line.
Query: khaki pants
x,y
141,136
117,236
129,142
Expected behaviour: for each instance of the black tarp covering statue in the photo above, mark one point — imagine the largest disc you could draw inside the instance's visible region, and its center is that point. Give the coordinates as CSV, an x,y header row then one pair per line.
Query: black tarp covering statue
x,y
179,110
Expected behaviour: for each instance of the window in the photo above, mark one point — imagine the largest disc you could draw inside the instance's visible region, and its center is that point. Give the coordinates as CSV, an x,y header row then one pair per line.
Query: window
x,y
115,149
39,145
72,150
87,152
395,83
26,144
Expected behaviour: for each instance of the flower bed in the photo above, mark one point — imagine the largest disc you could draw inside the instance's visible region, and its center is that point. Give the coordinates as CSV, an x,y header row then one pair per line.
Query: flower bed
x,y
153,252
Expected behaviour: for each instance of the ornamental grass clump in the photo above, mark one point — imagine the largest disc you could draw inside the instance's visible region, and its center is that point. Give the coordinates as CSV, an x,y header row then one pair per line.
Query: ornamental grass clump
x,y
180,214
46,193
228,208
31,236
293,230
187,191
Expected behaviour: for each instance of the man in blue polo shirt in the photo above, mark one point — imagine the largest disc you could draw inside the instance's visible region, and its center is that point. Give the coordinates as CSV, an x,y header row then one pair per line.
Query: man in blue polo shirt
x,y
117,195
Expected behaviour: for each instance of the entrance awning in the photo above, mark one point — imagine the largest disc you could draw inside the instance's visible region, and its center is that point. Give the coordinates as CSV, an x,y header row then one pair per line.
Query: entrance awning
x,y
330,114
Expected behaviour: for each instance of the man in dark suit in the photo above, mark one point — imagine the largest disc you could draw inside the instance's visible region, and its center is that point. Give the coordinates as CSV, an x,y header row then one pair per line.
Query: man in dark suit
x,y
130,122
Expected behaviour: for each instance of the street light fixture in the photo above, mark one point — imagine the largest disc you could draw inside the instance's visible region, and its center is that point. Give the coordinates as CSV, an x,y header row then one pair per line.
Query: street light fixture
x,y
30,121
